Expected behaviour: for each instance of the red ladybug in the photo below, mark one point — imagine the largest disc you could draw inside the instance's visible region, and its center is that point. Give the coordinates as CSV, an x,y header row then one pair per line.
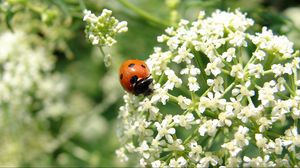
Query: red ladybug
x,y
135,77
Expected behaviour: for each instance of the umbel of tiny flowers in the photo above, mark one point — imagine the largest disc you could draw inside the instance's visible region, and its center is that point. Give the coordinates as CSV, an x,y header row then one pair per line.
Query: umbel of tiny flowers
x,y
101,30
234,95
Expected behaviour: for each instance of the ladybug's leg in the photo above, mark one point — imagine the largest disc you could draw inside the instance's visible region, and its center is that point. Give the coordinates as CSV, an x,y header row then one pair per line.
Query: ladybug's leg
x,y
143,87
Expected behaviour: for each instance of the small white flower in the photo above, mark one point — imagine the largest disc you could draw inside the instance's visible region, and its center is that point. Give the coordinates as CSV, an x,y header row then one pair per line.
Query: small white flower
x,y
195,152
180,162
248,112
121,154
184,120
259,54
243,91
241,136
256,70
89,16
266,93
258,162
237,39
146,105
144,150
232,147
173,80
224,118
229,54
158,61
176,145
212,102
276,146
183,55
277,69
184,102
193,84
165,130
233,162
209,127
288,68
280,84
156,164
214,67
260,140
281,108
291,139
143,163
209,159
237,71
160,94
217,84
190,70
264,124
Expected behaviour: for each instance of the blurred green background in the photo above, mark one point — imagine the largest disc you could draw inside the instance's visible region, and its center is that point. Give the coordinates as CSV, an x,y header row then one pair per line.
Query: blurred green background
x,y
77,125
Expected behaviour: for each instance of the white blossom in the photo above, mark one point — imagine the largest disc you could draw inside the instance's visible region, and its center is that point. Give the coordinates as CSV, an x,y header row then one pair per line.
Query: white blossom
x,y
101,30
237,71
173,80
193,84
180,162
217,84
165,130
212,102
259,54
229,54
195,152
214,67
258,162
209,127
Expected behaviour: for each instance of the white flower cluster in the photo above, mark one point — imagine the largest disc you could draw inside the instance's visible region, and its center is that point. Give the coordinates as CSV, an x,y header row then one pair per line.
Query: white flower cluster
x,y
30,95
101,30
237,96
23,69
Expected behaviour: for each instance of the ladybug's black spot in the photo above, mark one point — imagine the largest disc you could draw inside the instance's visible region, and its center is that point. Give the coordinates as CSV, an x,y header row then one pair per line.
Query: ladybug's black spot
x,y
133,79
131,65
121,76
143,66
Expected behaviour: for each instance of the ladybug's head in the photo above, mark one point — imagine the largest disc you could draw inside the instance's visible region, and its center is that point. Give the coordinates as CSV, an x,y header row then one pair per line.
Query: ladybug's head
x,y
143,86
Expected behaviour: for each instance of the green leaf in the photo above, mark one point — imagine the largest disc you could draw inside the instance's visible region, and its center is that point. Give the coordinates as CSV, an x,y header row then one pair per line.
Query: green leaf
x,y
8,18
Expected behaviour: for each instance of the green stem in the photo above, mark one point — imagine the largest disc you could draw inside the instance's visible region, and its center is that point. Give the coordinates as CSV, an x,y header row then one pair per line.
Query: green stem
x,y
282,96
228,88
161,78
252,59
101,50
295,78
173,98
225,71
82,4
208,90
193,97
272,134
289,88
144,14
269,61
201,67
191,136
270,71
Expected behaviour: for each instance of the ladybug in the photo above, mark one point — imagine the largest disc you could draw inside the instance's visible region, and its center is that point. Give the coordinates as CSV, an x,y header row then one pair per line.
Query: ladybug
x,y
135,77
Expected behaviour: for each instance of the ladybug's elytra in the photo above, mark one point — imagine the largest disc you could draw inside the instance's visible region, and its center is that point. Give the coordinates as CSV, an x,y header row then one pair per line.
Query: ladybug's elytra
x,y
135,77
